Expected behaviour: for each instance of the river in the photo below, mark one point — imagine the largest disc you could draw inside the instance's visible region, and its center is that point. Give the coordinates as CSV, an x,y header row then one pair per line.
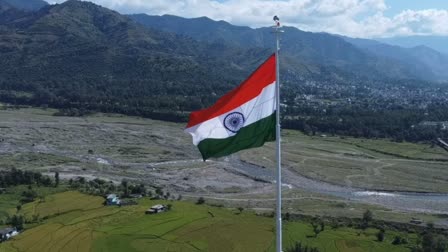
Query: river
x,y
405,201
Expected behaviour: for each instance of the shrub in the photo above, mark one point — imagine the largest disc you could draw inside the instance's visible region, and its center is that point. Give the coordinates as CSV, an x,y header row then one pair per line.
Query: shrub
x,y
200,201
298,247
380,235
397,240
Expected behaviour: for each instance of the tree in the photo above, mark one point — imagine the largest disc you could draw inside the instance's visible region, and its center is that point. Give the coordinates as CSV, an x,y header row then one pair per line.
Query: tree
x,y
428,242
240,209
159,191
125,185
367,217
440,244
318,226
298,247
200,201
17,221
28,196
56,179
397,240
380,235
431,243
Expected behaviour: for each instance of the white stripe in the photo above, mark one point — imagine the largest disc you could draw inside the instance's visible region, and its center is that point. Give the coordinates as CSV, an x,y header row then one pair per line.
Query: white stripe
x,y
254,110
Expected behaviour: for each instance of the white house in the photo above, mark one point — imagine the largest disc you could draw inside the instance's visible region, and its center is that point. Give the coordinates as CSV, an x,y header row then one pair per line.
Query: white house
x,y
113,200
156,209
7,233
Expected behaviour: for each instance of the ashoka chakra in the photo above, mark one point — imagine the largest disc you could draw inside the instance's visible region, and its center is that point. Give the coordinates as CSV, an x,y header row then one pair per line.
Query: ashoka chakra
x,y
234,121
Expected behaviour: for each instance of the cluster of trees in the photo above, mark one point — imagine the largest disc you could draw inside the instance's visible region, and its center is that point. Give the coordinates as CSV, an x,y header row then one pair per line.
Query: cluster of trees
x,y
18,220
430,239
16,177
397,124
174,102
125,189
298,247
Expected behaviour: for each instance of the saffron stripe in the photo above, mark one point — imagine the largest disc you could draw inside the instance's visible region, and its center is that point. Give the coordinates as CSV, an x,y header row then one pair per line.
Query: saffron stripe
x,y
248,90
256,109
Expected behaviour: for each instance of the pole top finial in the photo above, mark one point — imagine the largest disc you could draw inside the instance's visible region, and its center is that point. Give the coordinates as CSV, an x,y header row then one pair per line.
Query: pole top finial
x,y
277,21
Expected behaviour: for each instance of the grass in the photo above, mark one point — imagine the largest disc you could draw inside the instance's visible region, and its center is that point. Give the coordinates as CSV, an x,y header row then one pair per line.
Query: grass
x,y
343,239
370,164
85,222
11,198
78,222
404,149
312,204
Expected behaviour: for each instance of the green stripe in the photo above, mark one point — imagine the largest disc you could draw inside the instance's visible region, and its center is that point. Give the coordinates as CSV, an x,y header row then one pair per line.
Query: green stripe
x,y
254,135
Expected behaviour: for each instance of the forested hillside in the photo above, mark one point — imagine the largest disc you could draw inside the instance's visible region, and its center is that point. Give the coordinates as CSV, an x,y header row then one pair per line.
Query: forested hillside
x,y
313,48
81,55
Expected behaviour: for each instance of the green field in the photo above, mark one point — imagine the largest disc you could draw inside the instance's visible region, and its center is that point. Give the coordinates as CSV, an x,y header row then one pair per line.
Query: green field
x,y
72,221
11,198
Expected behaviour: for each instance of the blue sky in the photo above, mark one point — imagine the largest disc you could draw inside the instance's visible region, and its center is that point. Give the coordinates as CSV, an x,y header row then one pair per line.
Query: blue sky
x,y
355,18
396,6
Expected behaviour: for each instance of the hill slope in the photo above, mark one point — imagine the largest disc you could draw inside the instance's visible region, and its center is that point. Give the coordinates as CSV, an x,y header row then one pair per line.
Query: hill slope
x,y
29,5
439,43
79,53
421,59
9,12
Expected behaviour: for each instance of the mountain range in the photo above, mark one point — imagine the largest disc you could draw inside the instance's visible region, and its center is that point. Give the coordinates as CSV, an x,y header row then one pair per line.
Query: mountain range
x,y
81,54
439,43
422,60
27,5
368,58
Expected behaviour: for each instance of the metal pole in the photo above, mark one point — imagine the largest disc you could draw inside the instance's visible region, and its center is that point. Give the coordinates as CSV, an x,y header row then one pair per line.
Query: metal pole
x,y
278,142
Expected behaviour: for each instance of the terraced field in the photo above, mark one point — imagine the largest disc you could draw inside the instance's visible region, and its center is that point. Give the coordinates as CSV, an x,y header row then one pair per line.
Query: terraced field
x,y
78,222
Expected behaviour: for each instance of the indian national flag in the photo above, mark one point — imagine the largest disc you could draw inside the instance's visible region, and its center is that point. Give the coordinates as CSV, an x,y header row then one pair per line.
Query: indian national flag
x,y
243,118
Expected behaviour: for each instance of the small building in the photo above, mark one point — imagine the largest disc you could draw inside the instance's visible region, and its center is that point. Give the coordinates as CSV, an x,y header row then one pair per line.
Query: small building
x,y
7,233
156,209
113,200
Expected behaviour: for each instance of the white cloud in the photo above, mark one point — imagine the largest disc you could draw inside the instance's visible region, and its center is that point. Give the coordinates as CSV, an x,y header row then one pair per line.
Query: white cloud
x,y
358,18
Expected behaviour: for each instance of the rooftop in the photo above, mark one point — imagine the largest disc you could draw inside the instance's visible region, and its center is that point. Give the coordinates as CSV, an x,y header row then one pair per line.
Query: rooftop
x,y
111,196
6,231
157,207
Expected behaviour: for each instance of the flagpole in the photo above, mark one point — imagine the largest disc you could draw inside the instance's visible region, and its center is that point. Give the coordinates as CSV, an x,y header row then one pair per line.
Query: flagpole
x,y
277,32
